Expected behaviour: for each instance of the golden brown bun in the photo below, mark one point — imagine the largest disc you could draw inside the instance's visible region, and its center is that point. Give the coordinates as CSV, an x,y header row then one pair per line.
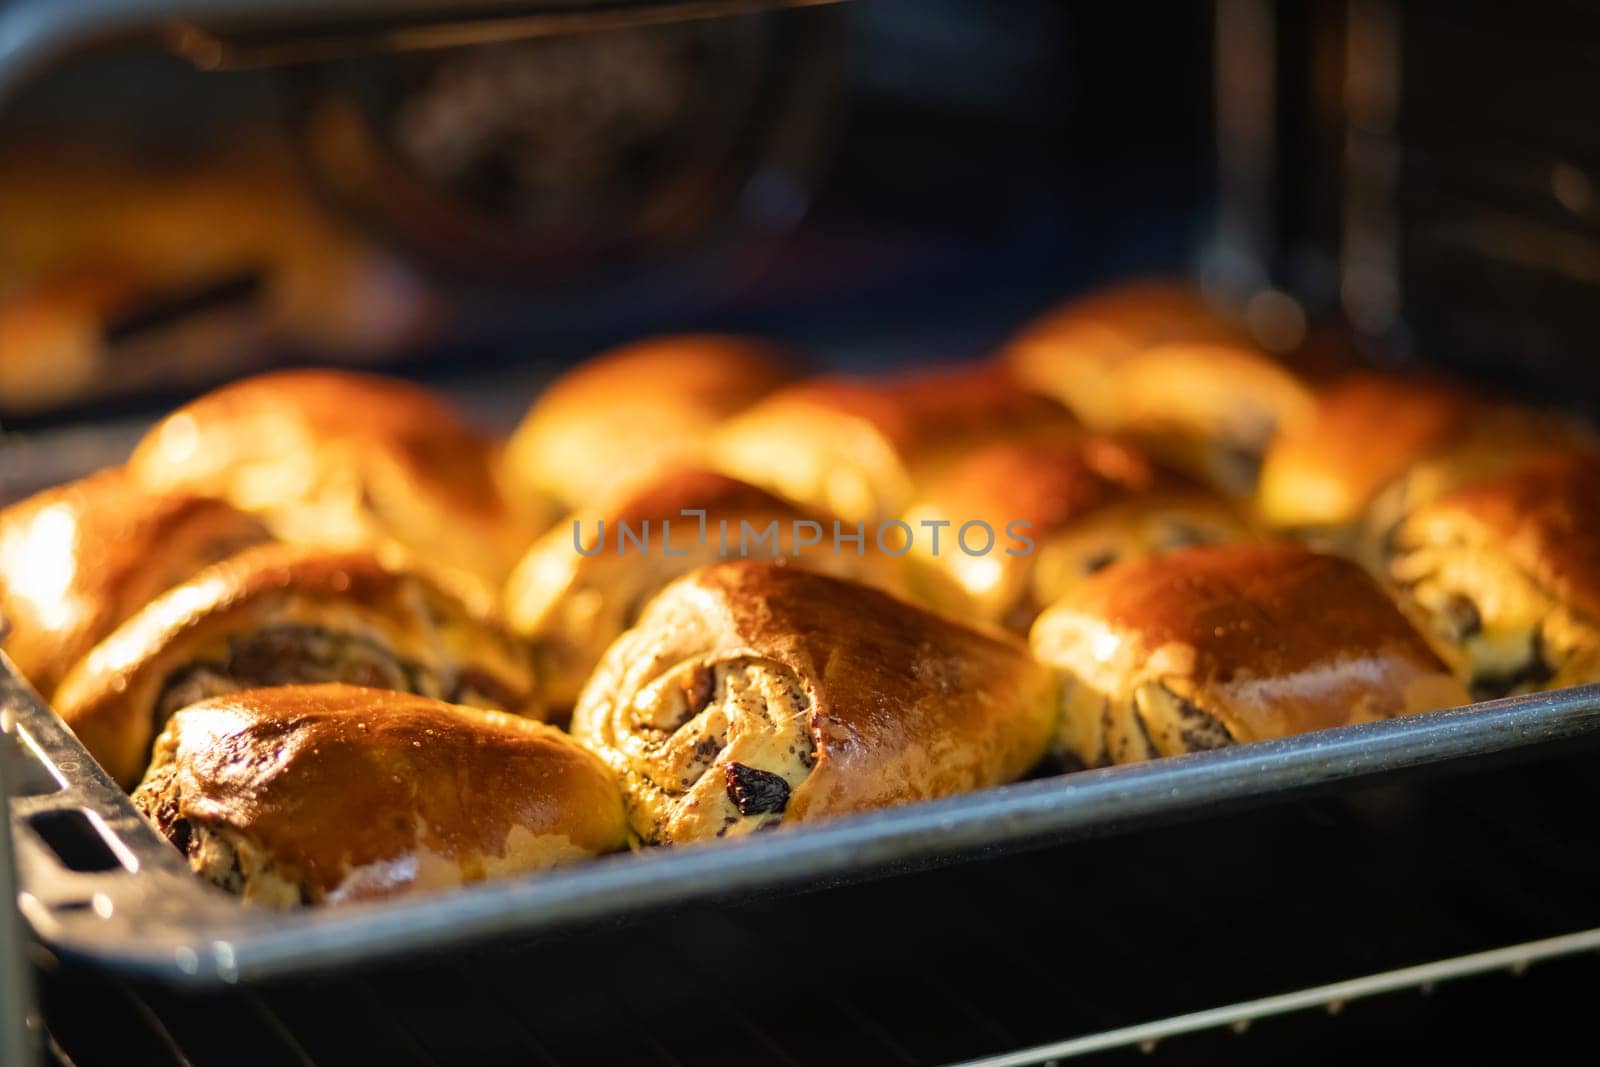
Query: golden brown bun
x,y
627,411
751,693
281,614
571,605
78,559
331,793
1154,361
1060,507
1367,431
858,449
1122,319
1228,644
350,461
1508,570
1379,447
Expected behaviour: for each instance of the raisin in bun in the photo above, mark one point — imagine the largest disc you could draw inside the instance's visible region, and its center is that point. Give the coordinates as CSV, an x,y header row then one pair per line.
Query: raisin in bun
x,y
281,615
1228,644
585,582
616,417
1378,447
78,559
349,461
323,794
860,449
1058,509
1153,361
751,694
1507,569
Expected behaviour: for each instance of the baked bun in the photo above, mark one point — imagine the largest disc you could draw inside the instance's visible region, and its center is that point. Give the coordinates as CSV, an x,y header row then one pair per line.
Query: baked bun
x,y
349,461
1507,569
859,449
616,417
1379,447
756,693
1227,644
1057,509
282,615
571,604
77,560
321,794
1153,361
1122,319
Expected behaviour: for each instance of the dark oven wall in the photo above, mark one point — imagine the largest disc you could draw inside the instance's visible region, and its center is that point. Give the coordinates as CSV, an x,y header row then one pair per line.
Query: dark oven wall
x,y
1431,173
878,181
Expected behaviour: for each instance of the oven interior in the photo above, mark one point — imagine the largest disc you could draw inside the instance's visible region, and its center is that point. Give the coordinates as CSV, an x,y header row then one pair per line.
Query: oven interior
x,y
877,182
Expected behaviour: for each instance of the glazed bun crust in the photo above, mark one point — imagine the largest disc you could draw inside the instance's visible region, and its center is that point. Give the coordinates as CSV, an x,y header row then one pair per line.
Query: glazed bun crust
x,y
1085,496
1049,482
617,417
1247,641
278,614
1153,360
347,460
752,693
571,605
1507,571
1544,517
77,560
330,793
1367,430
859,449
1380,448
1115,321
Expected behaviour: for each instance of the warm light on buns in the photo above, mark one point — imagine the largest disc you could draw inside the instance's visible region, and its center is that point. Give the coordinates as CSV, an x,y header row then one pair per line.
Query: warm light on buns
x,y
1228,644
348,460
619,416
326,794
1152,360
77,560
1378,447
860,448
751,694
585,582
1059,508
283,614
1507,569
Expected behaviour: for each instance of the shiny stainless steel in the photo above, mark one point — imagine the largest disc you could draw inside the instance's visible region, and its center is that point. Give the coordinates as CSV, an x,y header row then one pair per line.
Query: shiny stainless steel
x,y
149,915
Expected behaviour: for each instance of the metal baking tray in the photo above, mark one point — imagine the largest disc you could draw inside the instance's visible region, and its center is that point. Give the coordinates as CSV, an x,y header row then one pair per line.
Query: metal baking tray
x,y
133,906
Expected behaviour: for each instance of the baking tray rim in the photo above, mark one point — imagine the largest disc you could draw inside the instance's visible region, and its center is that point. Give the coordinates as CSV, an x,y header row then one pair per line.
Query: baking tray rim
x,y
224,941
